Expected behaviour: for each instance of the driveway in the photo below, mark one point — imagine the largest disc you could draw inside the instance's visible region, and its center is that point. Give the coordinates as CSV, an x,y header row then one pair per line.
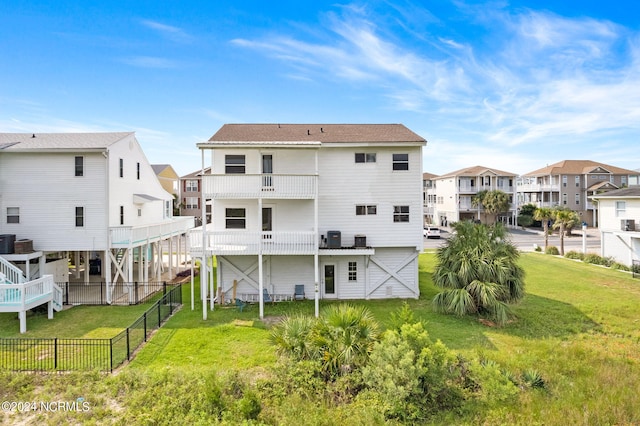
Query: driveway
x,y
526,240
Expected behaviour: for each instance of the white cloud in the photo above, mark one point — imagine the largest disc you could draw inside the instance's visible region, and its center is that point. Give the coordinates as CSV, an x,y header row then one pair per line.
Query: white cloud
x,y
168,31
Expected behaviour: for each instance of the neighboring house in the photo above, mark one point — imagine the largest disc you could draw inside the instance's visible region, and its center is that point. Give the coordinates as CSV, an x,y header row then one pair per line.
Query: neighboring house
x,y
455,191
191,196
335,208
570,183
80,197
169,180
619,224
429,197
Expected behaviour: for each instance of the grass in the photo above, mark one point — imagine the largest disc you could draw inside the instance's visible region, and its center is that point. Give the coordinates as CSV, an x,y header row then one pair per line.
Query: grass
x,y
578,327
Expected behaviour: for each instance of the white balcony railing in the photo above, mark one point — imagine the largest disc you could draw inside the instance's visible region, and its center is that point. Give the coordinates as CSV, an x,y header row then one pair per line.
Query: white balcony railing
x,y
534,187
259,186
126,236
253,243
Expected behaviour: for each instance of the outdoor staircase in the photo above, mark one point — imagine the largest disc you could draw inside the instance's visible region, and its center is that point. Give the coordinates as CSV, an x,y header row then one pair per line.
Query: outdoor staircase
x,y
19,295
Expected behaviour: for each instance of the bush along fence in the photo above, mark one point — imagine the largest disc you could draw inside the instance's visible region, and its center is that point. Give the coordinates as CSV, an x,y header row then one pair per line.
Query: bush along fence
x,y
53,354
95,293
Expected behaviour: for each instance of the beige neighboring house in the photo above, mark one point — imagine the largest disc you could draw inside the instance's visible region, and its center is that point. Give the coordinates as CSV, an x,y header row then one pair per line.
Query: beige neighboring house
x,y
454,192
191,196
570,183
619,224
167,177
429,197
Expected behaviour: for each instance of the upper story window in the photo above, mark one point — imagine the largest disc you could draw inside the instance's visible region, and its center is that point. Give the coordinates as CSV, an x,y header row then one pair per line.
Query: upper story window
x,y
79,166
401,213
168,210
621,208
191,186
564,180
400,161
236,218
121,167
79,217
365,157
577,181
623,180
577,198
234,164
13,214
362,210
192,203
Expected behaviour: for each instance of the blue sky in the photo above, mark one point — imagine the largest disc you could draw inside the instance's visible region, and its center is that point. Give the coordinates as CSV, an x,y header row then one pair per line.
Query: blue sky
x,y
509,85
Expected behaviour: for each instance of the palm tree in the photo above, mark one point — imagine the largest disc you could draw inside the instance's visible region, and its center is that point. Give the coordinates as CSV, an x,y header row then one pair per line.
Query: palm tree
x,y
563,219
493,202
478,272
544,215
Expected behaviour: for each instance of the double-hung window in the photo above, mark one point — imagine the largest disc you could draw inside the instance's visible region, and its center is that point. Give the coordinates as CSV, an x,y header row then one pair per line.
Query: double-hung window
x,y
234,164
79,217
401,213
236,218
400,161
13,214
621,208
79,166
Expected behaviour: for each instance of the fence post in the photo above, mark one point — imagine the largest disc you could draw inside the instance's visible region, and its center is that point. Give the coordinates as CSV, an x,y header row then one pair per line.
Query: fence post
x,y
159,313
102,285
135,285
111,355
55,353
145,326
128,356
164,288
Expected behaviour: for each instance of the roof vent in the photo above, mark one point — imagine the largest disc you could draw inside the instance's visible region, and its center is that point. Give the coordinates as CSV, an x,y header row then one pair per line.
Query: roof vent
x,y
33,135
308,132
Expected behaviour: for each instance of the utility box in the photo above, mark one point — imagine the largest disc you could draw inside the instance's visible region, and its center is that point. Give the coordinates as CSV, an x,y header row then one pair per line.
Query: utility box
x,y
23,246
6,243
628,225
334,239
360,241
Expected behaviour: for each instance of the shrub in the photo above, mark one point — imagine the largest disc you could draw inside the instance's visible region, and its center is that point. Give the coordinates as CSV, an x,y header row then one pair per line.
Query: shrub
x,y
525,220
620,266
574,255
597,259
552,250
538,248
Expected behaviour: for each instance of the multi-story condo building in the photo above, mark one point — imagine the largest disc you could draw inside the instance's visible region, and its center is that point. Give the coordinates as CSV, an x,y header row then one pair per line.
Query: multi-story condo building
x,y
334,208
455,191
570,183
83,197
429,197
191,196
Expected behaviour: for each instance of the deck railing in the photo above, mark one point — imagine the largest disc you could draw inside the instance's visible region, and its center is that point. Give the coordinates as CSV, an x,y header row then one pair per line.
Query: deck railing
x,y
247,243
288,186
125,236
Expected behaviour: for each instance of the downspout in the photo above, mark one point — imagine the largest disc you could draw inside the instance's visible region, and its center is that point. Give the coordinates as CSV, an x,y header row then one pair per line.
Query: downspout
x,y
108,256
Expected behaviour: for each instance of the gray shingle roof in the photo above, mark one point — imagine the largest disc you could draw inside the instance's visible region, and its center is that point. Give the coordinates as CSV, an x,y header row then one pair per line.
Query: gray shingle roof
x,y
630,192
48,141
324,133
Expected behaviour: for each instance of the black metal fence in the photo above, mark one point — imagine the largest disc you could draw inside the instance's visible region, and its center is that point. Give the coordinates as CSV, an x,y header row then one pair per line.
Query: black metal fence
x,y
42,354
95,293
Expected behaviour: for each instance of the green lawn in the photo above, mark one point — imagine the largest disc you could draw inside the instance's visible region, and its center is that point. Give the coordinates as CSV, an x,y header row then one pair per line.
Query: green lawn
x,y
579,326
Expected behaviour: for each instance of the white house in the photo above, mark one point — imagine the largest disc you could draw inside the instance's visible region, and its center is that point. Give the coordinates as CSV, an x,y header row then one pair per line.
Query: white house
x,y
335,208
619,224
84,195
454,194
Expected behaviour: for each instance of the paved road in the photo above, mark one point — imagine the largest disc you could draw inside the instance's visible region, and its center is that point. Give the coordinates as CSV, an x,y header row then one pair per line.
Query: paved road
x,y
525,240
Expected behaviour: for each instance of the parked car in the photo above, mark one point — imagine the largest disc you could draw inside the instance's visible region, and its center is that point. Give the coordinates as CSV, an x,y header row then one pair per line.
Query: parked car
x,y
431,232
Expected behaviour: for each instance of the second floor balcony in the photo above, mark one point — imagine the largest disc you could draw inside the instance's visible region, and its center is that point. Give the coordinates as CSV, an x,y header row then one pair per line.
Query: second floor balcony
x,y
282,186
